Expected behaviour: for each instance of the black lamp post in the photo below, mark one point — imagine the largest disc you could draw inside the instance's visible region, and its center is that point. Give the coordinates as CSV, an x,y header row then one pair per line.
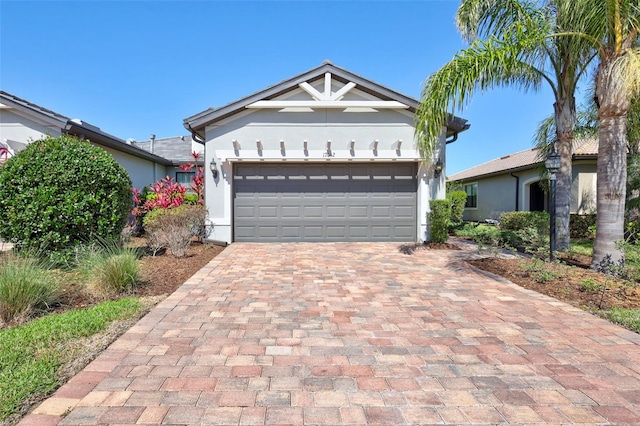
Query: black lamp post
x,y
553,165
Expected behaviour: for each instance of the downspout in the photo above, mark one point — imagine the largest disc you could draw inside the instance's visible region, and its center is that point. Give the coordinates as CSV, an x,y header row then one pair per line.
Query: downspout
x,y
455,138
517,189
196,137
152,138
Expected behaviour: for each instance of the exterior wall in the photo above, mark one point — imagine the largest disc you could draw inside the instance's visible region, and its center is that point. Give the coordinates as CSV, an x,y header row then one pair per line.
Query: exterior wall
x,y
583,188
142,172
19,128
494,194
498,193
282,137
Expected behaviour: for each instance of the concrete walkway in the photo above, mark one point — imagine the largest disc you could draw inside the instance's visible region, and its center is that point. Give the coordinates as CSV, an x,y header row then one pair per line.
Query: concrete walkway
x,y
357,334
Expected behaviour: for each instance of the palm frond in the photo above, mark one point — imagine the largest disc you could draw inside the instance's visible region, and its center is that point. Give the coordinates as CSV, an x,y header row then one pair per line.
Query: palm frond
x,y
486,18
483,65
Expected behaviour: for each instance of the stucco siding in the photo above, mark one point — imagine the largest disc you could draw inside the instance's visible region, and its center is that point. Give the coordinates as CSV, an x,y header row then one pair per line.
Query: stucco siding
x,y
15,127
304,136
142,172
583,188
494,194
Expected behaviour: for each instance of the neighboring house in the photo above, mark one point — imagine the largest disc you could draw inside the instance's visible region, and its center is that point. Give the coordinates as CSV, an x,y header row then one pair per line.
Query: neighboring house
x,y
179,150
22,122
324,156
514,183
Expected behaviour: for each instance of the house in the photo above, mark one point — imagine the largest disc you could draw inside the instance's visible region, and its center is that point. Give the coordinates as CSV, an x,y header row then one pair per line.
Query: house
x,y
514,182
326,155
179,150
22,122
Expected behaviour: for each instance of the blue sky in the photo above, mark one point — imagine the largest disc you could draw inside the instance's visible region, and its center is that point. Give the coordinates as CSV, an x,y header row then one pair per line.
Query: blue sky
x,y
136,68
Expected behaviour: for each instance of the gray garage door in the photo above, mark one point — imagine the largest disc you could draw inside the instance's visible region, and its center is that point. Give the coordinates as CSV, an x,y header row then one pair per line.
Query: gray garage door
x,y
325,202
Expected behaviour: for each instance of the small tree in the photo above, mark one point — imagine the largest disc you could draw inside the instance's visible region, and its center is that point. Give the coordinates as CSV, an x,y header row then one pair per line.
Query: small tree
x,y
59,191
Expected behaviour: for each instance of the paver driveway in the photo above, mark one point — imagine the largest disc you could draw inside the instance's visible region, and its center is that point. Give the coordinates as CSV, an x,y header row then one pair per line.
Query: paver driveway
x,y
356,333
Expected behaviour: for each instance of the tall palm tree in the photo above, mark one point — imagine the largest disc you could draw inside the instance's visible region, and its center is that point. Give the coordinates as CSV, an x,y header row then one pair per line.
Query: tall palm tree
x,y
612,27
510,44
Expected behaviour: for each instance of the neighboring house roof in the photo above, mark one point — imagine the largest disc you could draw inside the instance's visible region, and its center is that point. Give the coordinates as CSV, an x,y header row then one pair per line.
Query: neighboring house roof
x,y
196,123
583,149
177,149
77,127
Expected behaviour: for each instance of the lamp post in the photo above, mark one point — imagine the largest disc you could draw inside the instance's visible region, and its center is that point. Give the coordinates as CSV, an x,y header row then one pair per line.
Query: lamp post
x,y
553,165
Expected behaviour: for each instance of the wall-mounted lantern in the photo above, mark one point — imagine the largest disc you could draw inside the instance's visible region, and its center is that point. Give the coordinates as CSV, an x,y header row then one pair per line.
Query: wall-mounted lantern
x,y
437,169
214,168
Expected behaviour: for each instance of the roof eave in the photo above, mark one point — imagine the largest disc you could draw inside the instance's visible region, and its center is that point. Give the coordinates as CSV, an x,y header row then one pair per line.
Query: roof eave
x,y
196,123
110,141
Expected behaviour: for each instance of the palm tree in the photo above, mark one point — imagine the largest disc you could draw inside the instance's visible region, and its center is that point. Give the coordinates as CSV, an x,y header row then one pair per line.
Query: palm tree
x,y
510,44
612,27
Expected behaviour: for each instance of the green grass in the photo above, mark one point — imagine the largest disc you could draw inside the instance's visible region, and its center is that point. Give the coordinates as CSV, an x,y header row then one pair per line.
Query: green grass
x,y
31,355
629,318
584,247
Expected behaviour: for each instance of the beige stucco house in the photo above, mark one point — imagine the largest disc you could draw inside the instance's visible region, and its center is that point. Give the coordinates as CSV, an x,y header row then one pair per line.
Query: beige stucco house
x,y
326,155
514,182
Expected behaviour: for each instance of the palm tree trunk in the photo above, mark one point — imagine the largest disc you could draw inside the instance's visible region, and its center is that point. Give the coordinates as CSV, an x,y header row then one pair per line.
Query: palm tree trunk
x,y
613,105
612,178
565,112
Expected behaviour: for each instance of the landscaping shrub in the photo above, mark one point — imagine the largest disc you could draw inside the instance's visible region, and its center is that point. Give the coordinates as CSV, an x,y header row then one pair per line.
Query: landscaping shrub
x,y
457,200
60,191
174,228
517,221
526,231
26,287
581,226
109,267
439,220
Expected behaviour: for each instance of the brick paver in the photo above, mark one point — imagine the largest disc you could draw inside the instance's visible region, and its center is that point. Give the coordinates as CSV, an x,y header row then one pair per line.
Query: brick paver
x,y
359,334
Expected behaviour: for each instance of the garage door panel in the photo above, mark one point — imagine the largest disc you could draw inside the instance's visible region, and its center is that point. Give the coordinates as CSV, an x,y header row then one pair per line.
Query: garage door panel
x,y
325,202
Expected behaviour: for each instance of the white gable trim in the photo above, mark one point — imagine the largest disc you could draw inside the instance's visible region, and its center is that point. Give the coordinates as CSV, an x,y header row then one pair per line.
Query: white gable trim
x,y
327,99
328,104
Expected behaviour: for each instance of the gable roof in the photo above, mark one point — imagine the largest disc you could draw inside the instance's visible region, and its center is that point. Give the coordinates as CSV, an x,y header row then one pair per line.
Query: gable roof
x,y
196,123
77,127
583,149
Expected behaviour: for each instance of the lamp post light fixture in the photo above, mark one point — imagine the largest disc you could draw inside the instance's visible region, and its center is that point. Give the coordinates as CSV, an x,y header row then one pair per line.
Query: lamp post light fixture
x,y
437,169
214,168
553,165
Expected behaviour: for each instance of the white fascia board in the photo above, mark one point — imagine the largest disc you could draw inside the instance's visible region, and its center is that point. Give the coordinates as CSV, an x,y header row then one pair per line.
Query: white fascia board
x,y
299,156
328,104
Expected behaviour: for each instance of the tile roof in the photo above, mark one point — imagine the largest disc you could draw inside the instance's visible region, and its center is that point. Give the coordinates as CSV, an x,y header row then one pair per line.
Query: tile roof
x,y
521,160
177,149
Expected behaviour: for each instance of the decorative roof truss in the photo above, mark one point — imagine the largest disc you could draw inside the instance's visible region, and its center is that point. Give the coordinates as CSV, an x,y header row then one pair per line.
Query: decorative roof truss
x,y
327,99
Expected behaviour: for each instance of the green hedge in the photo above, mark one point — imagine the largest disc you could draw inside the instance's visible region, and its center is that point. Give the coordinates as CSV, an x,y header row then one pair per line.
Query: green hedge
x,y
582,226
517,221
457,200
60,191
439,220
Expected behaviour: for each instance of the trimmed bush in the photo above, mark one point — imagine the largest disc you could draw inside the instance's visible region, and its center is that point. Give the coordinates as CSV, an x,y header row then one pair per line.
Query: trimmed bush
x,y
457,200
517,221
174,228
439,220
581,226
526,231
60,191
26,287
